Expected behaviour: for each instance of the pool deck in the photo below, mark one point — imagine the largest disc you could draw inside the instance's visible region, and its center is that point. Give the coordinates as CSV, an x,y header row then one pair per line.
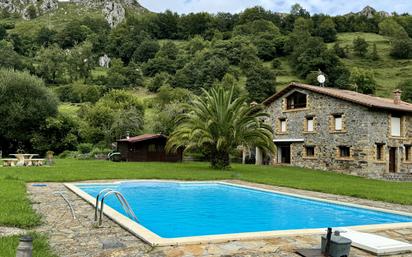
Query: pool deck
x,y
80,237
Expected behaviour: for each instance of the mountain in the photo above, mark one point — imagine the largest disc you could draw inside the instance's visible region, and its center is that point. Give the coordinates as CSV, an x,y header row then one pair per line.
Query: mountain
x,y
369,12
113,10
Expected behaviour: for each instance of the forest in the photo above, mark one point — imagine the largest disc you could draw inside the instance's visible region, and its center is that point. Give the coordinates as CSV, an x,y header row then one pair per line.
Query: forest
x,y
75,86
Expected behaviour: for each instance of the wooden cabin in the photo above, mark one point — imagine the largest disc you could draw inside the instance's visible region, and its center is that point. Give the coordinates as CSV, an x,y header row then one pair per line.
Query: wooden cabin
x,y
147,148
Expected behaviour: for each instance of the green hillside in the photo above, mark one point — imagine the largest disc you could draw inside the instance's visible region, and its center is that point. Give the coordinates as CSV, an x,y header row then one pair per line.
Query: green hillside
x,y
105,72
387,71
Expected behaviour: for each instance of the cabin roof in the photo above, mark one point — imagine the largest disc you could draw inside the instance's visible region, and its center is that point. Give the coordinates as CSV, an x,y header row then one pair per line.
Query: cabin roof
x,y
141,138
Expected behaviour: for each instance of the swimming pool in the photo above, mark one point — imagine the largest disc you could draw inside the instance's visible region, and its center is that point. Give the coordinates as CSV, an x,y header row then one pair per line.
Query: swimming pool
x,y
171,210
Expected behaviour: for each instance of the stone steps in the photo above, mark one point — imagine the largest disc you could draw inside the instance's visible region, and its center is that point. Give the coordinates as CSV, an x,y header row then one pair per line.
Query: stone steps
x,y
398,177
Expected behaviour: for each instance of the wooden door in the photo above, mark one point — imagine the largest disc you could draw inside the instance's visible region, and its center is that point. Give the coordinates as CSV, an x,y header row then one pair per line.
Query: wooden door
x,y
392,159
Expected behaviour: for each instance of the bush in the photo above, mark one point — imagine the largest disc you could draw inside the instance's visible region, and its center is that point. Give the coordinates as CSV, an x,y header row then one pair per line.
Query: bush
x,y
406,87
360,46
276,64
100,153
79,93
68,154
401,49
84,148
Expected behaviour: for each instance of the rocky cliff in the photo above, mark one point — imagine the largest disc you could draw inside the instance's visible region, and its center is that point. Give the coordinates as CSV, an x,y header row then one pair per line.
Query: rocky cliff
x,y
113,10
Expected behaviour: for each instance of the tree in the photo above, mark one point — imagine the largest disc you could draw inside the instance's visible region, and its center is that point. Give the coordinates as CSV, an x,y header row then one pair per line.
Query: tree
x,y
51,64
327,30
260,83
401,49
25,104
80,61
167,25
360,46
312,55
374,54
111,117
3,32
363,81
406,87
298,10
389,27
161,79
219,123
72,34
339,51
146,50
120,76
194,24
9,58
57,134
31,12
46,36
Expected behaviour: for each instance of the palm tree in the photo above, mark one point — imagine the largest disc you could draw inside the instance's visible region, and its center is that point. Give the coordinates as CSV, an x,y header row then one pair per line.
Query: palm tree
x,y
219,122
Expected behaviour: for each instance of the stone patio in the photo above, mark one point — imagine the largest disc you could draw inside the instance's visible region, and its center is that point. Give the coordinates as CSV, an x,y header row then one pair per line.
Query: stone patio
x,y
80,237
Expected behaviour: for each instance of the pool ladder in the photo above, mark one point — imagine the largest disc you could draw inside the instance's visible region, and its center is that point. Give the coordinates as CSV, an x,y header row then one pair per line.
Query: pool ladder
x,y
106,192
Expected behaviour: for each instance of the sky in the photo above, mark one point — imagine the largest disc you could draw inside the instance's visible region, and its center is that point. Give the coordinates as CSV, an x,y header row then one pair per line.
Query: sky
x,y
332,7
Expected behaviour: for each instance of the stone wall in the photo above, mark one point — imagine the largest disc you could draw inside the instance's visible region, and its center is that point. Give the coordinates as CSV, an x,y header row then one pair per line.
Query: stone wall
x,y
362,130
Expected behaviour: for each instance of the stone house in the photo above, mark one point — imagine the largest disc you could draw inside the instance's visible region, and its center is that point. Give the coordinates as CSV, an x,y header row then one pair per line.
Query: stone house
x,y
341,130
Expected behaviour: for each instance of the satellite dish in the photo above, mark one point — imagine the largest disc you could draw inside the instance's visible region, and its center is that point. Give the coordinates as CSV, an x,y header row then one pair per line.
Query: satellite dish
x,y
321,79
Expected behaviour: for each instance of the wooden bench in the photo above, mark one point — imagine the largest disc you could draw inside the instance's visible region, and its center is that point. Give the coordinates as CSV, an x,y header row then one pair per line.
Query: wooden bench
x,y
9,162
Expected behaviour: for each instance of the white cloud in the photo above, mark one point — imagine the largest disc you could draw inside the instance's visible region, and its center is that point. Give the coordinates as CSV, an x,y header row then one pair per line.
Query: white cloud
x,y
314,6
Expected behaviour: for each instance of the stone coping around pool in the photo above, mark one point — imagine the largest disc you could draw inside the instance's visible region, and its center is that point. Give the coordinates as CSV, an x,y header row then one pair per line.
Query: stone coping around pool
x,y
155,240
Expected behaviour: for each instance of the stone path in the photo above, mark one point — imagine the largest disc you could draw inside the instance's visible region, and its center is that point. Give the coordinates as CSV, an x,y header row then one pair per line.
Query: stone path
x,y
81,238
11,231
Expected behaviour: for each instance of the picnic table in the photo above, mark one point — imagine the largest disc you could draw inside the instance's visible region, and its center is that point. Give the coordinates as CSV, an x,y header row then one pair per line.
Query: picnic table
x,y
24,160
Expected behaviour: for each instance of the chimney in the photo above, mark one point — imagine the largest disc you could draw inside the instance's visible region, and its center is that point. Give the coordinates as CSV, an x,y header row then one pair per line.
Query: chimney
x,y
397,96
127,134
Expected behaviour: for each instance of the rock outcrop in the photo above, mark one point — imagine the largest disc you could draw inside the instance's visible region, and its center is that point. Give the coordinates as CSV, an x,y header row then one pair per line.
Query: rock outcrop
x,y
28,8
369,12
113,10
114,13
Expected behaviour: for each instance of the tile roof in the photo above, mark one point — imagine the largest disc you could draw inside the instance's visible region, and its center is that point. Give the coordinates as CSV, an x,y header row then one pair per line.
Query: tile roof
x,y
140,138
347,95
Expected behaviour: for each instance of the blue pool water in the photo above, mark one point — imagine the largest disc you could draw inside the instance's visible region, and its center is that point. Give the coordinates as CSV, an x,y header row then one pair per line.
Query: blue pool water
x,y
172,209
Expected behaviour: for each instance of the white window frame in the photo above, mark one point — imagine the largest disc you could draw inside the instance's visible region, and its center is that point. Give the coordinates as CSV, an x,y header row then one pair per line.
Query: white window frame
x,y
283,126
338,123
396,126
309,124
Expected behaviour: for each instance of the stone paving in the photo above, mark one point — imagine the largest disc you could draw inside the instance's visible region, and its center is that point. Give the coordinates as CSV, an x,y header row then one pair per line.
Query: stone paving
x,y
10,231
81,238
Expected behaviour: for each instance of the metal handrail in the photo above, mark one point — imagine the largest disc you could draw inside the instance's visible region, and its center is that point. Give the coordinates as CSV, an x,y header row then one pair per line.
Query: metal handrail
x,y
125,205
97,201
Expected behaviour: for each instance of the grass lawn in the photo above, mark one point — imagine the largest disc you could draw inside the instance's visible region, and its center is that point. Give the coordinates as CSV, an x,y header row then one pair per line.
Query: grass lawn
x,y
8,246
16,210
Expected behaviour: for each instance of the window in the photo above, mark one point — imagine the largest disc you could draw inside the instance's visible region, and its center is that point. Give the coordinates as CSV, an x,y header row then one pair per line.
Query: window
x,y
310,151
309,124
152,148
344,151
283,126
379,152
395,126
296,101
338,122
408,153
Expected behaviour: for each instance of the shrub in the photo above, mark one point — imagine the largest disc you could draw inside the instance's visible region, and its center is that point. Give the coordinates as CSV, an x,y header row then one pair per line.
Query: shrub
x,y
360,46
68,154
276,64
84,148
401,49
